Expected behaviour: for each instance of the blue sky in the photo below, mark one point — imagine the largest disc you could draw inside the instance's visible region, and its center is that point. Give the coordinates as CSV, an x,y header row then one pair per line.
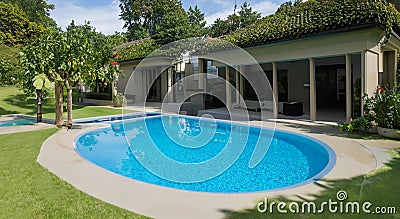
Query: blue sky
x,y
104,14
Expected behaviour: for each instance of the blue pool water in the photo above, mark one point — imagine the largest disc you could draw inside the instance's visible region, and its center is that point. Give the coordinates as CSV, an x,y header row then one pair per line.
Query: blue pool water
x,y
17,122
107,119
192,154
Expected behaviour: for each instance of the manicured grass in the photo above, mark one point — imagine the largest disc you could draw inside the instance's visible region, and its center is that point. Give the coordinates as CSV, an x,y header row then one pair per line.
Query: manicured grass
x,y
12,101
27,190
381,188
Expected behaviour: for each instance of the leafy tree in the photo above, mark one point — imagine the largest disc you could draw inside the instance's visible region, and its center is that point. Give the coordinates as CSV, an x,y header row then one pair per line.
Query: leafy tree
x,y
41,82
15,27
87,59
9,65
39,58
245,17
77,55
141,16
38,11
220,28
175,26
196,21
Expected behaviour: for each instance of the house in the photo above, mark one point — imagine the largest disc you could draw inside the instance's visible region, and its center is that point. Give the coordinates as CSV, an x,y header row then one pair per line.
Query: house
x,y
324,56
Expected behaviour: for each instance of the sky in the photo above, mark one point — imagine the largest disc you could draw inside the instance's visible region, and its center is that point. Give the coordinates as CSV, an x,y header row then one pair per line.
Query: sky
x,y
104,14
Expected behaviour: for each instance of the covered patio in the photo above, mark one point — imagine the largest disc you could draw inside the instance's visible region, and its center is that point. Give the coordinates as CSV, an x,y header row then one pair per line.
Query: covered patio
x,y
334,67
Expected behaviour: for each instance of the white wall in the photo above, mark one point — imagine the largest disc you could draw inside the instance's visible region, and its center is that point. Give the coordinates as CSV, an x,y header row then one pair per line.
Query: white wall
x,y
127,70
371,72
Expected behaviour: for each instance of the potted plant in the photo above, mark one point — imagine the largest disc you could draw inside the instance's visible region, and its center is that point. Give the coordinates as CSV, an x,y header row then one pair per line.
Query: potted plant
x,y
384,109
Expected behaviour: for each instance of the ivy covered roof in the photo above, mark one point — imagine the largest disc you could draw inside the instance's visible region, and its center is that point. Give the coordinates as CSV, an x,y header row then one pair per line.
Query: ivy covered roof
x,y
306,19
136,50
314,17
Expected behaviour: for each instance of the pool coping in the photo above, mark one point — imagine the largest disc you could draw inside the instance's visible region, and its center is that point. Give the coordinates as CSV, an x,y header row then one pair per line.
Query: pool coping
x,y
91,119
58,156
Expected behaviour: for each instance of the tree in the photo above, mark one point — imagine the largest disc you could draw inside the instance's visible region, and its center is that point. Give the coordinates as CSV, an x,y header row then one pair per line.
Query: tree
x,y
245,17
84,56
9,65
141,16
15,27
40,58
66,58
38,11
175,26
287,5
41,82
196,21
220,28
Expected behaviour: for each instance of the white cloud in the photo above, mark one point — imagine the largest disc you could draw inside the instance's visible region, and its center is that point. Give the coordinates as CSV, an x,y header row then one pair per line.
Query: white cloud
x,y
103,18
221,14
264,7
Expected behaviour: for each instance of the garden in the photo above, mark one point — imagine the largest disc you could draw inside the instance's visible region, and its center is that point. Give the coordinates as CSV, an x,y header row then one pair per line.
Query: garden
x,y
381,114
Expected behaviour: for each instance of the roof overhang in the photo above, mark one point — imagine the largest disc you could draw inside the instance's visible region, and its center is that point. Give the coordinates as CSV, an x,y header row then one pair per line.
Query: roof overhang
x,y
150,61
326,45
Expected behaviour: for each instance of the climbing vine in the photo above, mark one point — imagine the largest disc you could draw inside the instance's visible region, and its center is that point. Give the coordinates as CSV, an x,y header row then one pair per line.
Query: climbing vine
x,y
314,17
302,20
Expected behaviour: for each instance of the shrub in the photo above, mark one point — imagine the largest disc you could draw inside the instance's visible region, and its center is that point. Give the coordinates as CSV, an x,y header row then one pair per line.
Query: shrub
x,y
99,96
119,100
360,123
384,107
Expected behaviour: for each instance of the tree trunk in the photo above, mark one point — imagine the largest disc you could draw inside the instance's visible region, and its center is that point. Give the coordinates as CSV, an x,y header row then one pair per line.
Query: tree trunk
x,y
59,104
69,104
97,85
39,94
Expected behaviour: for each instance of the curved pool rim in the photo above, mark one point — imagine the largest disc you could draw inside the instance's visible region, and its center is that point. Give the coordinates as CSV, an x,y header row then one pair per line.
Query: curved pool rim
x,y
328,167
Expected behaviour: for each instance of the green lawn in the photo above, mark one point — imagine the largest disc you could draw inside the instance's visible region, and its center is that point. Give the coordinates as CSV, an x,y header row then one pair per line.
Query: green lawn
x,y
12,101
27,190
381,188
30,191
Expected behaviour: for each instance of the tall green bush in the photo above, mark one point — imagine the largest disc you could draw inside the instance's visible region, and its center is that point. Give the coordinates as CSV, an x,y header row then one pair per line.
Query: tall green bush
x,y
384,107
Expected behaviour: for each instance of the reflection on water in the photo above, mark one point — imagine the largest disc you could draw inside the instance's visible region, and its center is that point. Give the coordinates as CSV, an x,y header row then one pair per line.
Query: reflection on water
x,y
187,127
89,140
284,165
118,129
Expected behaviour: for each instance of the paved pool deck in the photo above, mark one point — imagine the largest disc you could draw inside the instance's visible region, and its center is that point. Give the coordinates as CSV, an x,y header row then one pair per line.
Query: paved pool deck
x,y
23,128
354,157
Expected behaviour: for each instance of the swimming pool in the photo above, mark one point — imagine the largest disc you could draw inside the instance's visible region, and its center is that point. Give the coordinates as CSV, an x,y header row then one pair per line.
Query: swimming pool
x,y
206,156
107,119
17,122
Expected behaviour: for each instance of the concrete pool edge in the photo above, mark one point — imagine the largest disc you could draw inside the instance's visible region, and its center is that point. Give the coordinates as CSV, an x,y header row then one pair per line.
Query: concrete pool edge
x,y
58,156
47,123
